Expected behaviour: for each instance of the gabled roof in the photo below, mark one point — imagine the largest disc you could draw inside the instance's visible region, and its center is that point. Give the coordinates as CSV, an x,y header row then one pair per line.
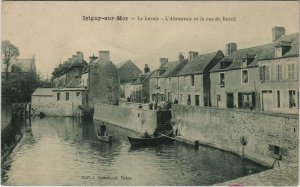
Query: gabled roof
x,y
128,71
142,78
169,69
43,92
200,63
74,83
262,52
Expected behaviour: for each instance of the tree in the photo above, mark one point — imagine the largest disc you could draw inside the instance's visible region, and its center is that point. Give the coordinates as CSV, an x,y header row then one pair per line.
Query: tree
x,y
8,51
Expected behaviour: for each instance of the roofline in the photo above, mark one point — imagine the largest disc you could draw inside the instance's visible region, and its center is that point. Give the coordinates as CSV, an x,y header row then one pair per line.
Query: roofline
x,y
222,70
288,56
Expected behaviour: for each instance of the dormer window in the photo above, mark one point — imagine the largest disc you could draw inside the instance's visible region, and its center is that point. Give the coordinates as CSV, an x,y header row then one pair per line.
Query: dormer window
x,y
281,48
225,62
247,59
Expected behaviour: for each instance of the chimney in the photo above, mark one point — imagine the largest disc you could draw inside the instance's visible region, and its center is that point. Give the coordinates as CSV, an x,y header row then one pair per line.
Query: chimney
x,y
79,56
192,55
180,57
146,69
104,55
163,61
230,48
92,58
277,32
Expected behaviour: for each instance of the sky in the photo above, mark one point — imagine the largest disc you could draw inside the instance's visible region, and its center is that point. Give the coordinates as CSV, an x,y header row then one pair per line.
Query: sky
x,y
54,31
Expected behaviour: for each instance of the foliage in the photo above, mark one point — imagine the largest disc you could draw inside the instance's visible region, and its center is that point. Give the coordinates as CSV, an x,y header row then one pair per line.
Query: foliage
x,y
8,52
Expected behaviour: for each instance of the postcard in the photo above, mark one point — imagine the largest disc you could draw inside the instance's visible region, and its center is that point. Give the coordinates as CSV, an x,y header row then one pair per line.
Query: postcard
x,y
149,93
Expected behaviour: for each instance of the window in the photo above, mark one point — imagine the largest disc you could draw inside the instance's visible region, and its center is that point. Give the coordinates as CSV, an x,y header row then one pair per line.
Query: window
x,y
222,80
218,97
278,99
291,71
245,76
170,82
181,98
197,100
192,80
77,94
184,80
109,81
158,83
58,96
264,73
292,98
67,96
278,72
278,52
189,100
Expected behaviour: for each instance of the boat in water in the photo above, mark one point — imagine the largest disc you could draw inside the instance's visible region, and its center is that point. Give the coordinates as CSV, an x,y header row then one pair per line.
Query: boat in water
x,y
107,138
152,140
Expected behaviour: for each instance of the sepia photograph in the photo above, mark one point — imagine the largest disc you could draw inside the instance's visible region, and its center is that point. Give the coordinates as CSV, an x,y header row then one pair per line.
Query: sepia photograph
x,y
149,93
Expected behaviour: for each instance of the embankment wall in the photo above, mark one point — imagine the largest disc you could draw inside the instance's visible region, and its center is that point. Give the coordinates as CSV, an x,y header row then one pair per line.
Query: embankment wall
x,y
135,119
224,129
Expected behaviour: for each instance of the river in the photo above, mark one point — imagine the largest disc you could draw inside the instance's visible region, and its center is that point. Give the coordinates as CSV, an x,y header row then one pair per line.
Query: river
x,y
64,151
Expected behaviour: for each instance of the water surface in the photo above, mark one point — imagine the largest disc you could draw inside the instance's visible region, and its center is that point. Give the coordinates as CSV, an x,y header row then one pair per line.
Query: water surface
x,y
64,151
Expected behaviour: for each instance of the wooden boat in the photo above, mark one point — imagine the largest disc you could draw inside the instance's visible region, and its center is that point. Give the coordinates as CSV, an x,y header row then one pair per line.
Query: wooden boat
x,y
107,138
162,138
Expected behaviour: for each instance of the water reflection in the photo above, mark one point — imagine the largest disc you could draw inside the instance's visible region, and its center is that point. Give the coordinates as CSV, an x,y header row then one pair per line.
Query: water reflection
x,y
65,151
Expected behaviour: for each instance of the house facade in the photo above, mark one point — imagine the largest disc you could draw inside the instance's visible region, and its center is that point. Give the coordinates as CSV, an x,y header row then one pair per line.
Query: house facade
x,y
186,80
129,73
59,102
69,71
193,80
163,84
237,80
104,81
279,77
140,87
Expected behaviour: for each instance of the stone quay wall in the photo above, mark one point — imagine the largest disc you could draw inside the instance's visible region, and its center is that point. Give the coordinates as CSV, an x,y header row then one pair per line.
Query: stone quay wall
x,y
135,119
226,129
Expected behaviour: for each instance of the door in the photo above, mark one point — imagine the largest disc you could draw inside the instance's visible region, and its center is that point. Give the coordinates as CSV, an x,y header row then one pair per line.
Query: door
x,y
230,100
267,101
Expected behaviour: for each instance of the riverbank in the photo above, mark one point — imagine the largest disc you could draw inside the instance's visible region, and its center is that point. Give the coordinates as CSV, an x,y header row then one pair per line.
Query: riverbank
x,y
285,175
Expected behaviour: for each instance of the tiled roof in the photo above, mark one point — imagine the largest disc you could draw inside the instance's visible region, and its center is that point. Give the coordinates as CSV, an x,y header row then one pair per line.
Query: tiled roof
x,y
43,92
200,63
128,71
261,52
169,69
143,77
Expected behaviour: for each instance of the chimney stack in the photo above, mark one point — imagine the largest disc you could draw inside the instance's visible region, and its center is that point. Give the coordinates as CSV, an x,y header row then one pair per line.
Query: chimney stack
x,y
230,48
277,32
79,56
180,57
104,55
192,55
163,61
146,69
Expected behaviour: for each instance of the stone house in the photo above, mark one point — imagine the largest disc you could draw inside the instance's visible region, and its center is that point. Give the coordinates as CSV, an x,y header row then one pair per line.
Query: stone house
x,y
160,86
59,102
129,72
140,87
186,80
279,75
193,79
104,81
235,80
69,71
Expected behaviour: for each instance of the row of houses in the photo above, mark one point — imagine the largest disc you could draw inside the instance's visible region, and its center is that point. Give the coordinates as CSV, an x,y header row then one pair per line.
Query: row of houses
x,y
263,78
258,78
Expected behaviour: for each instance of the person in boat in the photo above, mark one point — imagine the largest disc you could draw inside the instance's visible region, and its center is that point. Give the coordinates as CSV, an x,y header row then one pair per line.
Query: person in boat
x,y
146,135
